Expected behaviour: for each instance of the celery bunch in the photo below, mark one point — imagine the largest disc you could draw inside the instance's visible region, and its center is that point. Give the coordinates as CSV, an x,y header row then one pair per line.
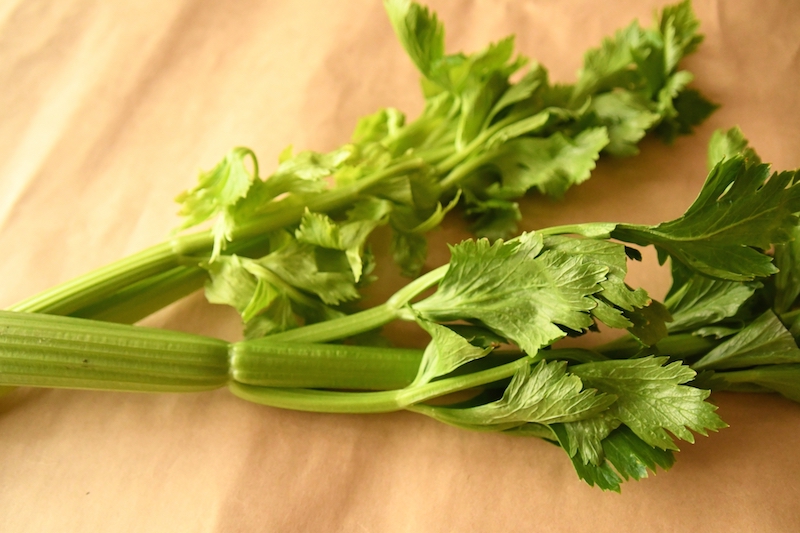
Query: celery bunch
x,y
617,410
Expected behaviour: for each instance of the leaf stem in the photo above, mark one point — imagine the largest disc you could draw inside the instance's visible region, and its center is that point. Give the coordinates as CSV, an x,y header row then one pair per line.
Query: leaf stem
x,y
589,229
337,328
448,165
371,402
145,297
677,346
465,169
362,321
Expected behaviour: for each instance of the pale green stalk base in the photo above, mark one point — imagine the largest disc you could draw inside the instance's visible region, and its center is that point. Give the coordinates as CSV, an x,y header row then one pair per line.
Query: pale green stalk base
x,y
52,351
62,352
87,289
146,297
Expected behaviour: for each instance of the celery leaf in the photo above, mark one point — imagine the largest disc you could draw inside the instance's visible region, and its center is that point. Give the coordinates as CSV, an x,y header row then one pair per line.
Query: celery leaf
x,y
517,289
740,210
725,144
765,341
551,164
447,351
651,398
700,301
543,394
626,457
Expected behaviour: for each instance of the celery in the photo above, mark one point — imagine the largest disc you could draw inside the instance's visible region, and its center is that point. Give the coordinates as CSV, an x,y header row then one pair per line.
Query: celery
x,y
482,141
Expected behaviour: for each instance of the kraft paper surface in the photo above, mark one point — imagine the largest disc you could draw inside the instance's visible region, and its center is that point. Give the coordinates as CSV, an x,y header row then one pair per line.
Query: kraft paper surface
x,y
109,110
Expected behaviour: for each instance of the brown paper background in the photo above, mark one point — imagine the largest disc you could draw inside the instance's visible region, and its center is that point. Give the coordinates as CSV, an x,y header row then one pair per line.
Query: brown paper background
x,y
109,108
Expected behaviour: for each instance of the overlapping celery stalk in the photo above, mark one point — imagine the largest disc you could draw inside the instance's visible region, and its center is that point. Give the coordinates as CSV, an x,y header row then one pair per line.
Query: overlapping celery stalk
x,y
617,410
292,248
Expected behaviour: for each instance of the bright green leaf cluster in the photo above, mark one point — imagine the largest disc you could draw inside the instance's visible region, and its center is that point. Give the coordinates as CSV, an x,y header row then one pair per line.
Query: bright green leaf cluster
x,y
739,334
740,210
715,325
548,289
482,140
651,398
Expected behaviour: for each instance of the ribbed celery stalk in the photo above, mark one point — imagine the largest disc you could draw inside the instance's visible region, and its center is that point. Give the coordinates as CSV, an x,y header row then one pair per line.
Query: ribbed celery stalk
x,y
52,351
64,352
330,366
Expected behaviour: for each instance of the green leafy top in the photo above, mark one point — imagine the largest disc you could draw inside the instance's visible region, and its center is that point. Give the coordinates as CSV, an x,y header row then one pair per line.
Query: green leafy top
x,y
764,341
611,417
216,194
723,328
618,411
616,302
740,334
419,31
740,210
482,140
699,301
543,394
725,144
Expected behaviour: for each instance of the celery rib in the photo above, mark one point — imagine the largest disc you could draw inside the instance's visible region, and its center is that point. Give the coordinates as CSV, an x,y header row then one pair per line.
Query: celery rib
x,y
370,402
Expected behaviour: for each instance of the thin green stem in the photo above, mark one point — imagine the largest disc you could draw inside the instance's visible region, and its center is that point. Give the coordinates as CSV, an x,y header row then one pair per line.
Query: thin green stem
x,y
371,402
416,287
337,328
141,299
444,136
474,146
677,346
147,296
789,317
459,417
590,229
435,155
465,169
579,355
363,321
